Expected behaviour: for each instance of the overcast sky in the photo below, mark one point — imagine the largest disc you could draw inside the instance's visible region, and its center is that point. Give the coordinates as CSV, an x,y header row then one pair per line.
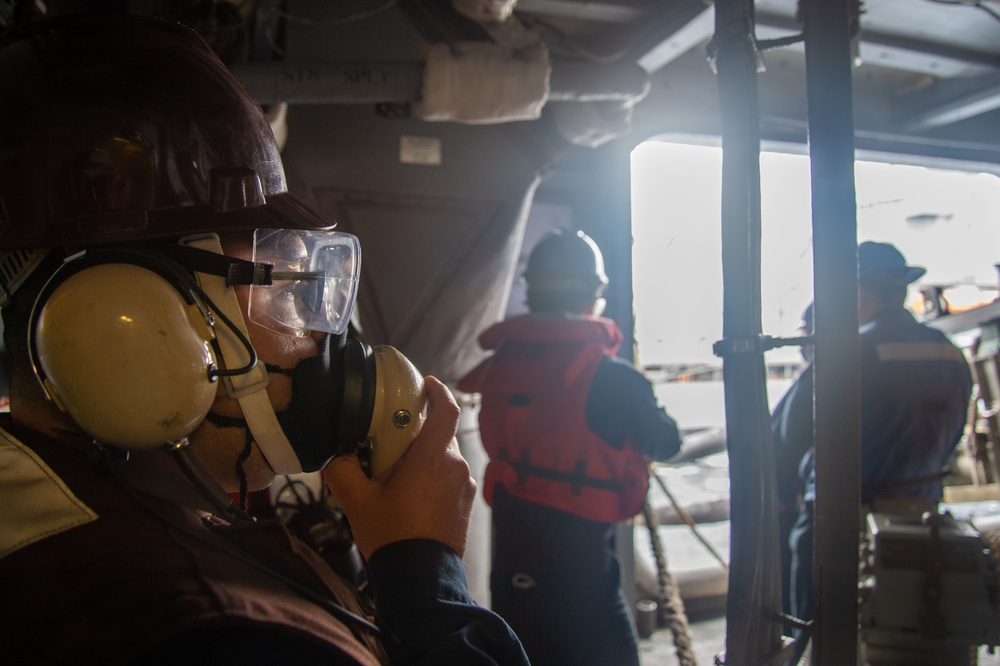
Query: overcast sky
x,y
677,239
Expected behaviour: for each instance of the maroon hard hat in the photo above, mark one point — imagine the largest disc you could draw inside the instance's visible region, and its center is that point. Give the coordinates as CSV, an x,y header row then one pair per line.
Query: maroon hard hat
x,y
115,128
565,258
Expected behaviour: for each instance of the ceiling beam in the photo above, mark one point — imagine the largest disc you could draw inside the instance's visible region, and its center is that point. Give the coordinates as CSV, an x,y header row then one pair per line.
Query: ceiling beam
x,y
686,28
904,53
602,12
949,102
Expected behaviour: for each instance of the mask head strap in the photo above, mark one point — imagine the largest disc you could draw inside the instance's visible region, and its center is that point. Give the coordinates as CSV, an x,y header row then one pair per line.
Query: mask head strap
x,y
248,388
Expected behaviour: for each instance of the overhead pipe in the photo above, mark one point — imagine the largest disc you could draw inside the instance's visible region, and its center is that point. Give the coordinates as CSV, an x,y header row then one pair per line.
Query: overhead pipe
x,y
984,99
321,82
578,81
316,82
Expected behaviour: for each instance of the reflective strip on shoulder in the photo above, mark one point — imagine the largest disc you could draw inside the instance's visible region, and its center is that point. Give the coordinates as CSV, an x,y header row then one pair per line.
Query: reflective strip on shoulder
x,y
34,502
919,351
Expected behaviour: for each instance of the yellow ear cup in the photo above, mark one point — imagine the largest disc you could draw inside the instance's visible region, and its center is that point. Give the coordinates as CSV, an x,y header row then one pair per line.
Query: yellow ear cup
x,y
126,356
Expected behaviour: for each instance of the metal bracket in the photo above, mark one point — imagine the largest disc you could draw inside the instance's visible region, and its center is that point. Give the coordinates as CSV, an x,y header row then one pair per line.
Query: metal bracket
x,y
760,344
725,347
774,343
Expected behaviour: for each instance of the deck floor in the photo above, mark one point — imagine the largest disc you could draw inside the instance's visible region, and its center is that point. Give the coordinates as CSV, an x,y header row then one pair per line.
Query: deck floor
x,y
708,637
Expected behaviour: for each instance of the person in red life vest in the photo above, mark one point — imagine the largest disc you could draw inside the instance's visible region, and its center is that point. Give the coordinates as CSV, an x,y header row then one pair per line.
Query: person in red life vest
x,y
570,430
152,266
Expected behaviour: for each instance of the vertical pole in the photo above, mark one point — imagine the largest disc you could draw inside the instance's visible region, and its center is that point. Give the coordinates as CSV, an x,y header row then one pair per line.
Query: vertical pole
x,y
837,423
605,213
752,637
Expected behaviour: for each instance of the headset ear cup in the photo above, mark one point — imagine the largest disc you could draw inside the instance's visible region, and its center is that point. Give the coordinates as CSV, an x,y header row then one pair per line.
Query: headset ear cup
x,y
122,351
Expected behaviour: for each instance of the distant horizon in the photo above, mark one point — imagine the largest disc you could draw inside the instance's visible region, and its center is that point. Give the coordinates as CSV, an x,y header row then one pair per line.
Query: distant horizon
x,y
942,220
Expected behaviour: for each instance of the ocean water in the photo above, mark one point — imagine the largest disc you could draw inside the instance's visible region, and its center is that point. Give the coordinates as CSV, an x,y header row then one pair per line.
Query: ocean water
x,y
698,405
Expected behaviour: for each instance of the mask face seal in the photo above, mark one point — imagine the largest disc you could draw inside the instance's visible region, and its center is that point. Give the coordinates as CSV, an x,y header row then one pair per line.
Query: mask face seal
x,y
333,397
354,399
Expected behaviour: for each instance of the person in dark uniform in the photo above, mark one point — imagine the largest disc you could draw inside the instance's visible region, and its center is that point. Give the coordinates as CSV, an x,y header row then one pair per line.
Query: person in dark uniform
x,y
570,429
915,387
792,432
142,188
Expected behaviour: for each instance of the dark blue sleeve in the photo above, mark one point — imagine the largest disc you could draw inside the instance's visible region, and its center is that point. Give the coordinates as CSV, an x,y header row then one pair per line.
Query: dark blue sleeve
x,y
422,603
622,406
792,427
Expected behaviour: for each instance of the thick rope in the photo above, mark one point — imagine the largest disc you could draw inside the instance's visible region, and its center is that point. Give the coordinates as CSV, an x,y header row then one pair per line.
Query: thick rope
x,y
689,521
670,609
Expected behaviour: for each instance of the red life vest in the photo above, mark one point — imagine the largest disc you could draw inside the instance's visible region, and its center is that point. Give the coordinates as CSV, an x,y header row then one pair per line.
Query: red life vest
x,y
533,422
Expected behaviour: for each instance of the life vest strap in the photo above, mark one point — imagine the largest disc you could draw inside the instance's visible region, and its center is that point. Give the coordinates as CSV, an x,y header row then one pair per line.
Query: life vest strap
x,y
576,479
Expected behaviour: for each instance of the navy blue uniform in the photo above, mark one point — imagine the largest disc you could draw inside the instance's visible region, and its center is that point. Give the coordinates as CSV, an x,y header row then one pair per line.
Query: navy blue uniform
x,y
915,390
792,431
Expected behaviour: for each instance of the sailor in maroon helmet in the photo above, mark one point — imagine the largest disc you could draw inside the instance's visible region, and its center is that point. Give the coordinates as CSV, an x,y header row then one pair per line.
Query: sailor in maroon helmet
x,y
570,430
176,327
